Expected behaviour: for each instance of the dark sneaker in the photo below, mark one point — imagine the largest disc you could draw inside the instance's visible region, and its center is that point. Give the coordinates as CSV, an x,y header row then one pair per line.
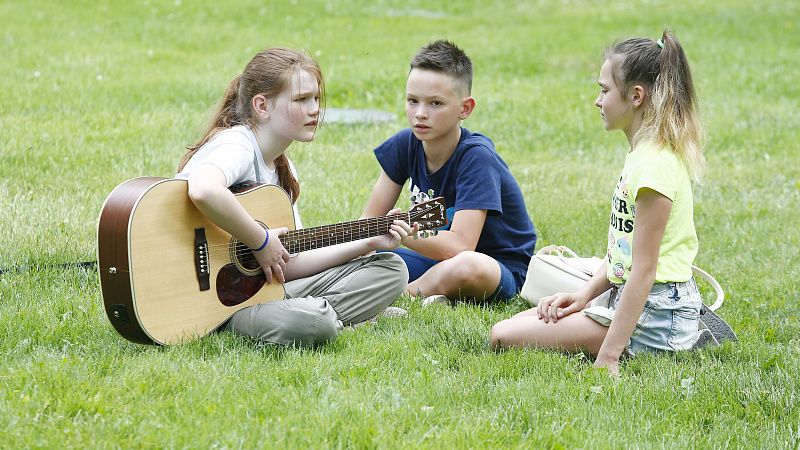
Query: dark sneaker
x,y
720,330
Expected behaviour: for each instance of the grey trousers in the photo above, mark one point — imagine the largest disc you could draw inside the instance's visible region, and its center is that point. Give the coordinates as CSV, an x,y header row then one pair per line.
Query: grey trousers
x,y
317,307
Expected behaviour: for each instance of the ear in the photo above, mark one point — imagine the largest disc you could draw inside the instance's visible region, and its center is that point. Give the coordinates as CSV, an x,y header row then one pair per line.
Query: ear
x,y
467,106
637,95
260,106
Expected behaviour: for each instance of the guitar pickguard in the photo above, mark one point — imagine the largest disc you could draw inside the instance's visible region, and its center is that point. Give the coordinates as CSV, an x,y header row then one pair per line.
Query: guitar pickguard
x,y
234,287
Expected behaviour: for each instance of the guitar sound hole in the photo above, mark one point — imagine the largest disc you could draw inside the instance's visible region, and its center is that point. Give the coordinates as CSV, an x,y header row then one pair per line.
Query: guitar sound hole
x,y
243,258
246,258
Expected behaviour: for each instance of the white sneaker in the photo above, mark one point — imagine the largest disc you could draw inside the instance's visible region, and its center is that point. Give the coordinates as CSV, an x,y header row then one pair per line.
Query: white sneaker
x,y
393,311
435,300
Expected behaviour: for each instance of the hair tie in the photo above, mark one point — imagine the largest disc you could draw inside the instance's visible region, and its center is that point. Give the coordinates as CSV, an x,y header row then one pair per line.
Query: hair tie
x,y
660,43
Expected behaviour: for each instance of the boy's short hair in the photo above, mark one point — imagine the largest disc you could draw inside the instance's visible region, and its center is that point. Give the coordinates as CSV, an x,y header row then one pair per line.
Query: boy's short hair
x,y
444,57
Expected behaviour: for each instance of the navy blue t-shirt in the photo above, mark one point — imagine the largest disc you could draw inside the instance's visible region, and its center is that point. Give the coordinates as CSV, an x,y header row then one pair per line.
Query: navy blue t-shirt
x,y
475,177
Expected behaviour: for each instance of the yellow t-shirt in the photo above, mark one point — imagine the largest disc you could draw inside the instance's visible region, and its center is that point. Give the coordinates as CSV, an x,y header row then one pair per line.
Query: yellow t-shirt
x,y
659,169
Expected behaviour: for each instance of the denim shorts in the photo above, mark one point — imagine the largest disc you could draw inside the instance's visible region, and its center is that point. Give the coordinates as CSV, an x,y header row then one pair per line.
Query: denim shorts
x,y
418,264
668,322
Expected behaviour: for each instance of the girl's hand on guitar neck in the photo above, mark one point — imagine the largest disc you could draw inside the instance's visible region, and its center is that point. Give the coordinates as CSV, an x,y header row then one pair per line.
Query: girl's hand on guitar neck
x,y
398,230
273,257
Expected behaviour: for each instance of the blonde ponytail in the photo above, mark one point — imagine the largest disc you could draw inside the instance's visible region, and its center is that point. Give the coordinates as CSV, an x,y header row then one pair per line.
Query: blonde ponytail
x,y
671,117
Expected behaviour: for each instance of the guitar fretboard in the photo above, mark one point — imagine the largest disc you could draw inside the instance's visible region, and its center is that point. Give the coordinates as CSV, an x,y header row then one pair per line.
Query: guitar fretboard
x,y
310,238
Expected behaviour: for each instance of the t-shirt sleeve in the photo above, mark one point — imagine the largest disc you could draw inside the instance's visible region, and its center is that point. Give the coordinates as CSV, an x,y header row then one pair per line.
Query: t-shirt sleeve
x,y
393,156
230,152
662,174
233,159
478,181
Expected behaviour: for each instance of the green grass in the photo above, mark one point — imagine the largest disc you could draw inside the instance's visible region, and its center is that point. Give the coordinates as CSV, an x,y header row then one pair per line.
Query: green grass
x,y
98,92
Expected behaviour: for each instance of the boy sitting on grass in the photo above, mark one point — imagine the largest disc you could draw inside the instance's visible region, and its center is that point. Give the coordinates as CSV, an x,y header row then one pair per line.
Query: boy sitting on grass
x,y
483,252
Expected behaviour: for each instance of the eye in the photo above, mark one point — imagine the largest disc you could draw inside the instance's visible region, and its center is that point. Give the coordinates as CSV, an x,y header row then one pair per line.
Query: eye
x,y
412,101
436,103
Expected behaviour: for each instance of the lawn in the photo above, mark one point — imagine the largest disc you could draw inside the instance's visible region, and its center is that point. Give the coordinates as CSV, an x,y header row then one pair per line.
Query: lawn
x,y
97,92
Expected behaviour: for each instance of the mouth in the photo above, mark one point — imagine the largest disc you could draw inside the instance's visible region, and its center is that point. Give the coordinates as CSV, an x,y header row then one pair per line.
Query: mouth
x,y
313,123
421,127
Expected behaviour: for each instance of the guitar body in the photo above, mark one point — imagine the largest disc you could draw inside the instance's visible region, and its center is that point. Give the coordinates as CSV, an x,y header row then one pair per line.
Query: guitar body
x,y
167,273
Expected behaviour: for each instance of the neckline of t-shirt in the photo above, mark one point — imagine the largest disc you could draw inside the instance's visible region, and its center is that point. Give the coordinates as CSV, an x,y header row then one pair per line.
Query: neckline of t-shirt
x,y
461,139
252,137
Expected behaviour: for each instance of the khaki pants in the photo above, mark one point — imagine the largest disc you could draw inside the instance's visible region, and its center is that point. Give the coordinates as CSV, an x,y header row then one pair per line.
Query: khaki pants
x,y
317,307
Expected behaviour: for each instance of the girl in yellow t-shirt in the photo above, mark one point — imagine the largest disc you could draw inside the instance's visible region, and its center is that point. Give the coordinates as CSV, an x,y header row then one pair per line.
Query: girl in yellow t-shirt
x,y
646,91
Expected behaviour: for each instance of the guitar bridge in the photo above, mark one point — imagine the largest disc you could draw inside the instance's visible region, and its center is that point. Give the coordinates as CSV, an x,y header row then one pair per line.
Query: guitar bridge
x,y
201,263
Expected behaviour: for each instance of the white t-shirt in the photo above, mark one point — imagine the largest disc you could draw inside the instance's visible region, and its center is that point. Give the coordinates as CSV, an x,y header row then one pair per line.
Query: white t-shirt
x,y
233,151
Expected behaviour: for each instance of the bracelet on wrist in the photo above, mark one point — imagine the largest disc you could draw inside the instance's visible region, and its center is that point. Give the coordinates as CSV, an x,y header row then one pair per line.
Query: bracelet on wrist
x,y
264,244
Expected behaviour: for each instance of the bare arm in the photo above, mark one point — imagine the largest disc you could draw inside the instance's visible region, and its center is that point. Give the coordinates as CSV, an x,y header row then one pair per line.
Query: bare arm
x,y
550,308
210,194
597,284
463,236
652,214
315,261
381,201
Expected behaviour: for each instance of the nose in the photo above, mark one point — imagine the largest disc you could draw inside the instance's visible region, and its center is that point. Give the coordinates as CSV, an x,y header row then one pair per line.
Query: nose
x,y
420,112
313,108
597,101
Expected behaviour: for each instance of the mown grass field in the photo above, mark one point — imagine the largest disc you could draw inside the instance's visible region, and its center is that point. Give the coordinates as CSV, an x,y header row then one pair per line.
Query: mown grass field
x,y
96,92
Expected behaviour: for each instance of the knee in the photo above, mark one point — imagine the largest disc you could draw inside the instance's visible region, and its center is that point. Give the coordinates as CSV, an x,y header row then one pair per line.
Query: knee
x,y
326,331
394,263
499,336
395,272
465,269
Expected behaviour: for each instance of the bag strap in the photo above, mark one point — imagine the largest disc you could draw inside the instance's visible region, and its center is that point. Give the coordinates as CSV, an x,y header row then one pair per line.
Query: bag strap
x,y
717,288
562,252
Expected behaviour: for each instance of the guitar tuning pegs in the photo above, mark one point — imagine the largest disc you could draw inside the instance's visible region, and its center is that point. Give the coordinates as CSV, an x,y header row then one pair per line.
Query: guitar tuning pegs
x,y
430,193
435,232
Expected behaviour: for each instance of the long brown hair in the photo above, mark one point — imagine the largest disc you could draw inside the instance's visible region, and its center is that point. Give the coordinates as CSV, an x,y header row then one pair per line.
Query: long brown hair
x,y
670,117
268,74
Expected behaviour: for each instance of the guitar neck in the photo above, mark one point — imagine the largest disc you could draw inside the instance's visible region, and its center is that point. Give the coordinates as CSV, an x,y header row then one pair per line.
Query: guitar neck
x,y
310,238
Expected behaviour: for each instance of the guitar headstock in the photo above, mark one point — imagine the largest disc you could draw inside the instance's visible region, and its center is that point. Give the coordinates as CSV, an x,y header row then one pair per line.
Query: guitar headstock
x,y
429,214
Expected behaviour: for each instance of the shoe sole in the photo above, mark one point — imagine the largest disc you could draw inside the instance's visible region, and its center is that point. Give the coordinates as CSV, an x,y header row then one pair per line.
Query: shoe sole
x,y
720,330
706,339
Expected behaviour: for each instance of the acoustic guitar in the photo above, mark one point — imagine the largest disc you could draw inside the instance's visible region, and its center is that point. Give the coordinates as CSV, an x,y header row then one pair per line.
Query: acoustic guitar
x,y
169,275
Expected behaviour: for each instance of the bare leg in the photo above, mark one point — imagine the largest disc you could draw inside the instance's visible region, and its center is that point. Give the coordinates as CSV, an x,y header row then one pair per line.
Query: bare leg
x,y
527,312
573,333
468,274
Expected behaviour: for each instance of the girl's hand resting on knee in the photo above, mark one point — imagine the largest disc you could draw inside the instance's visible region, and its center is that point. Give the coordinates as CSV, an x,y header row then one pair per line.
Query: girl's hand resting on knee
x,y
398,231
560,305
273,257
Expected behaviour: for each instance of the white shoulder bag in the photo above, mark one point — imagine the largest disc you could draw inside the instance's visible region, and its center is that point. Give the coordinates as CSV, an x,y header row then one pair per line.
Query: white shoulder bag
x,y
556,268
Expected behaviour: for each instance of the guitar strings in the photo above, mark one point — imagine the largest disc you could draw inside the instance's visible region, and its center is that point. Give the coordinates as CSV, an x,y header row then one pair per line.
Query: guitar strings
x,y
300,239
304,235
